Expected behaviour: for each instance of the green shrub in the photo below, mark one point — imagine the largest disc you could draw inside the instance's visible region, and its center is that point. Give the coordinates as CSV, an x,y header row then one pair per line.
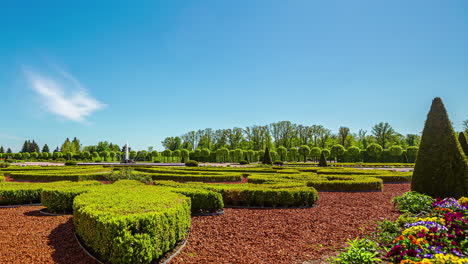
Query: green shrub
x,y
243,162
266,160
191,163
362,251
346,183
202,201
322,160
197,177
441,168
278,163
126,173
60,200
131,225
4,165
2,178
71,163
413,202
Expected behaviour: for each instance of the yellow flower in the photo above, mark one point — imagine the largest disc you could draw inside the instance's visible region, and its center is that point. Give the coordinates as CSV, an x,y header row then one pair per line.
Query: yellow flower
x,y
449,259
463,200
415,230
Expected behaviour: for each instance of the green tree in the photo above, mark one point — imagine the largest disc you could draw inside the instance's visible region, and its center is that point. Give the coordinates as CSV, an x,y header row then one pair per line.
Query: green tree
x,y
239,155
45,148
336,151
68,156
282,152
205,153
167,153
465,126
2,150
315,153
374,150
184,153
412,153
57,155
323,160
25,155
343,133
441,169
222,155
176,153
354,153
293,154
112,155
304,151
132,154
383,133
396,150
86,155
104,155
172,143
75,146
66,146
266,157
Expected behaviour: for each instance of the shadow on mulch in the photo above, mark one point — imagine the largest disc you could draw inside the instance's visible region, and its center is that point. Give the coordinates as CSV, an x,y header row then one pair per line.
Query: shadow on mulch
x,y
36,213
67,249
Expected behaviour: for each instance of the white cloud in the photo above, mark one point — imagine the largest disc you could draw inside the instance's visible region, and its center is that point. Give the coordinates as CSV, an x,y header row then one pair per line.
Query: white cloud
x,y
70,101
7,136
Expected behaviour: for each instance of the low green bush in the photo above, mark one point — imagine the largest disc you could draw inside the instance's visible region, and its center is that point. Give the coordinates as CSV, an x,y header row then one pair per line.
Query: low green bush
x,y
131,225
362,251
346,183
278,163
4,164
191,163
197,177
13,193
243,162
202,201
60,199
42,177
71,163
413,202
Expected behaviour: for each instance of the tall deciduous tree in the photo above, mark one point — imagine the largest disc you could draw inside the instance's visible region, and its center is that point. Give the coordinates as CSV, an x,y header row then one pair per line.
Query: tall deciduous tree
x,y
66,146
304,151
383,133
343,133
172,143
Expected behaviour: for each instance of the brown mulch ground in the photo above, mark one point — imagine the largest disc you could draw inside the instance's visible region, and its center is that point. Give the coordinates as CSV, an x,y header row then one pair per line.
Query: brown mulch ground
x,y
238,236
288,235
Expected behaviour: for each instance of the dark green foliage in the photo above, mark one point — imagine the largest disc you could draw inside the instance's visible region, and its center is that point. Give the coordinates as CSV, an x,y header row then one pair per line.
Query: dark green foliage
x,y
71,163
267,157
441,168
191,163
322,161
278,162
4,165
463,143
413,202
243,162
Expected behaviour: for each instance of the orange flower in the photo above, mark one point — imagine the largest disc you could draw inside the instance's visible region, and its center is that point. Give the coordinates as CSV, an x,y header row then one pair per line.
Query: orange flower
x,y
398,239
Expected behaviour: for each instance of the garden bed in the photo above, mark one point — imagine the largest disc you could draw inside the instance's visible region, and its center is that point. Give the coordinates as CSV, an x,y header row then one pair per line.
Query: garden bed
x,y
238,236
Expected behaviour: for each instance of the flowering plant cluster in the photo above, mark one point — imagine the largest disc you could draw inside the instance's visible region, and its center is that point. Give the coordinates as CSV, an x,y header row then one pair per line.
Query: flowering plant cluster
x,y
440,236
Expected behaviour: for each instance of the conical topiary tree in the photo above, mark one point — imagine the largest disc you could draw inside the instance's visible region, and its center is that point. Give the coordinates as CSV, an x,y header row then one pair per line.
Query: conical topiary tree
x,y
441,168
267,157
322,161
463,143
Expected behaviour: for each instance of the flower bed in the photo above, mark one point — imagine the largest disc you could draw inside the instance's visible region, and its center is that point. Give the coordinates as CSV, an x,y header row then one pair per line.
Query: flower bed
x,y
438,235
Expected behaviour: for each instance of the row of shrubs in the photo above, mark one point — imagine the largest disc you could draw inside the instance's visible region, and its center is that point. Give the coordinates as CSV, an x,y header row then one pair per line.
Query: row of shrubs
x,y
356,164
256,195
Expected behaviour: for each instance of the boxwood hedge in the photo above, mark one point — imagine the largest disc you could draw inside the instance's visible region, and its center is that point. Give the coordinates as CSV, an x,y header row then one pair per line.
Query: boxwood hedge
x,y
131,225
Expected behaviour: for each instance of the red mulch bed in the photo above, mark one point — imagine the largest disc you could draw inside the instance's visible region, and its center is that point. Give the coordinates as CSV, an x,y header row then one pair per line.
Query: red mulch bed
x,y
238,236
288,235
27,236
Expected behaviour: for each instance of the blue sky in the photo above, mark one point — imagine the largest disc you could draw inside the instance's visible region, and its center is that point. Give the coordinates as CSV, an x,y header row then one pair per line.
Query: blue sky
x,y
144,70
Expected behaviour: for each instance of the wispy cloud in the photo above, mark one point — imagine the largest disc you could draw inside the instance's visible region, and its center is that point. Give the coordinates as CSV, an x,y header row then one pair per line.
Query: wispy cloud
x,y
6,136
63,95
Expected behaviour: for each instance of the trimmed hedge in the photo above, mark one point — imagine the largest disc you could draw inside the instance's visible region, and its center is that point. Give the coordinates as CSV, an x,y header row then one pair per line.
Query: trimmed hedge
x,y
346,183
60,200
257,195
12,193
2,178
203,201
131,225
49,177
202,178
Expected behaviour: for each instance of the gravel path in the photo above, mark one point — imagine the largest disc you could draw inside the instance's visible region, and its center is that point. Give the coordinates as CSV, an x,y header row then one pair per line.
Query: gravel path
x,y
238,236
